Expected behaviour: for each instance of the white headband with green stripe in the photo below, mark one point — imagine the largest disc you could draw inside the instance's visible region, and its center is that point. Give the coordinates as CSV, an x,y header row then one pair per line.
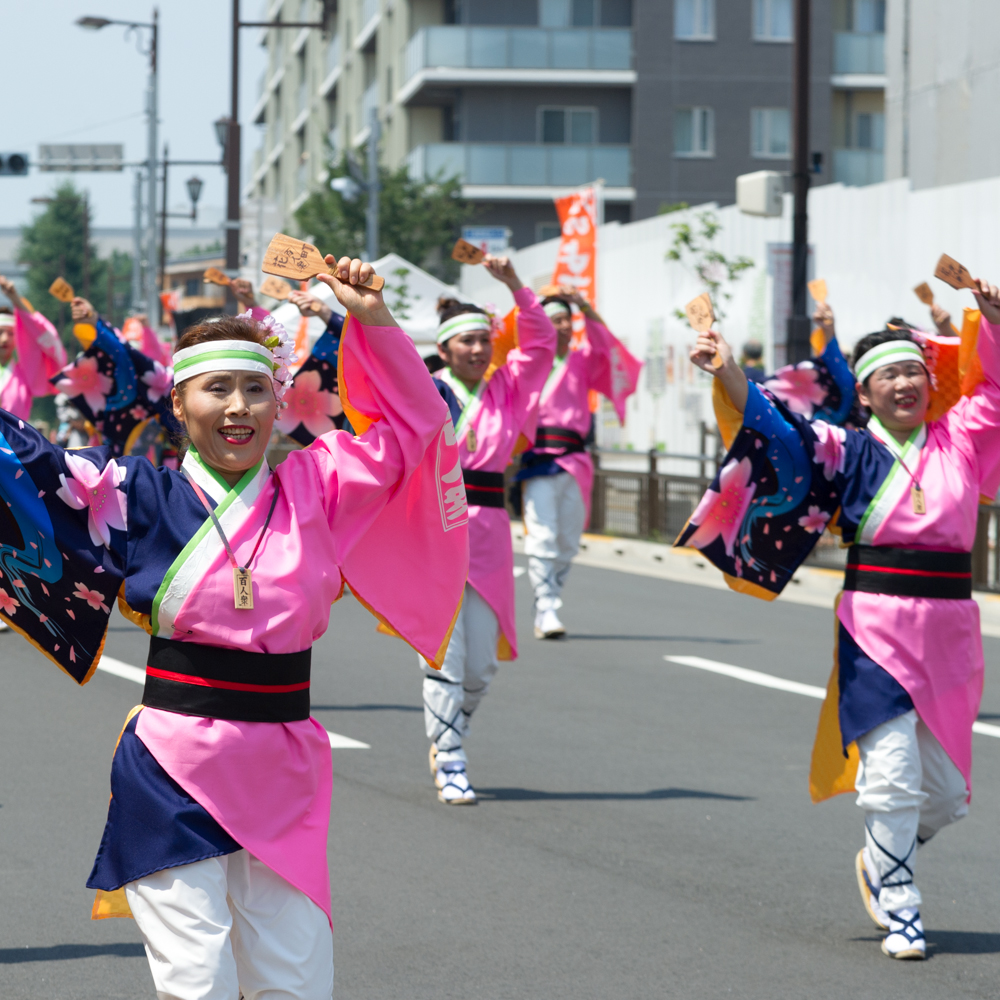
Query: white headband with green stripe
x,y
888,353
463,323
224,355
555,308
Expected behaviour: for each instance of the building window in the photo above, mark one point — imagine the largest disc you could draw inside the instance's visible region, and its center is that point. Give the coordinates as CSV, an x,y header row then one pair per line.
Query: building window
x,y
869,131
868,17
694,132
568,13
547,231
577,126
771,133
694,20
192,287
772,21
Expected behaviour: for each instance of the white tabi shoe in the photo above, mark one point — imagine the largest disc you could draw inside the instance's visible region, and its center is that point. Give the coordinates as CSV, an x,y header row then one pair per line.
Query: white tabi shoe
x,y
905,939
453,785
4,627
870,885
548,626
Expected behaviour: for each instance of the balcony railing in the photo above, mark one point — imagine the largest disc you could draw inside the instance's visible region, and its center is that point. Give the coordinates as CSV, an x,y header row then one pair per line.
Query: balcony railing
x,y
857,53
536,164
459,47
857,167
333,54
368,104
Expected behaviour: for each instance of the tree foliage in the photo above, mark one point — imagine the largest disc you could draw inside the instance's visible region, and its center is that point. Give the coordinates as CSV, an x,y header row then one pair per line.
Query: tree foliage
x,y
694,246
418,220
53,246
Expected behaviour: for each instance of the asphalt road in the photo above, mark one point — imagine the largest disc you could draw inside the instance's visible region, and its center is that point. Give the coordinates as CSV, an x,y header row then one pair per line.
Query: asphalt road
x,y
645,828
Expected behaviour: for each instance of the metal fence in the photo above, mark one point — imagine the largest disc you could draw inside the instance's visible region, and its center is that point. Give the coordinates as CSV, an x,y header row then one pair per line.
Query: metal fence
x,y
986,551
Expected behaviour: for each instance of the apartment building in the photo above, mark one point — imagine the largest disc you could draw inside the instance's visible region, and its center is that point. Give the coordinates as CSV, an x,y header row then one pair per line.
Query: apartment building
x,y
664,100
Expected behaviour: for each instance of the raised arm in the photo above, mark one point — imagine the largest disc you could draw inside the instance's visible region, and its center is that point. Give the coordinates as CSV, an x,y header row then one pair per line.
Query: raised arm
x,y
40,353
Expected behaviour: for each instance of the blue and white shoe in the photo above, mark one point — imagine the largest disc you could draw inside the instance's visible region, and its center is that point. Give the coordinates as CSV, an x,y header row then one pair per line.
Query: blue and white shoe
x,y
453,785
870,885
905,939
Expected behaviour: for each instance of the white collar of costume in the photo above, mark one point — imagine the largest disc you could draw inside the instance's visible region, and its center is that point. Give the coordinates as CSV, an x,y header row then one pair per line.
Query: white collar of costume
x,y
233,505
471,400
897,483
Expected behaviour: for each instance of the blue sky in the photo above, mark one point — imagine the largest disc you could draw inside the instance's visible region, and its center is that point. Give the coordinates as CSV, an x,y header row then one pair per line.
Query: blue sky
x,y
65,84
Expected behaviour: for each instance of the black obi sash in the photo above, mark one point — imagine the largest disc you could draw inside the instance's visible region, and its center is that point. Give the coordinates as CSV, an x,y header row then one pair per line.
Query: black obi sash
x,y
484,489
878,569
192,679
566,440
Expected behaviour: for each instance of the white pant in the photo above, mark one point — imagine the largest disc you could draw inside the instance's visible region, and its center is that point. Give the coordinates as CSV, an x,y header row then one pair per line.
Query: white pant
x,y
454,692
224,925
554,516
909,788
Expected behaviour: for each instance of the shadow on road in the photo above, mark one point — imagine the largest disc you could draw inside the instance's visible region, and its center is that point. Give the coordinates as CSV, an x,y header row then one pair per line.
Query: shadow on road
x,y
366,708
532,795
62,952
666,638
962,943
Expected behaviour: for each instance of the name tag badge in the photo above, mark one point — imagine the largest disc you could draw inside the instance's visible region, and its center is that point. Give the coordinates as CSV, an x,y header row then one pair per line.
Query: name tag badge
x,y
917,497
242,589
470,440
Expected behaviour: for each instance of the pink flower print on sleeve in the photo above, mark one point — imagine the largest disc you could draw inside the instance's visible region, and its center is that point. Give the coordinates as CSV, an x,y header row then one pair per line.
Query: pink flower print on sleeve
x,y
95,491
307,404
719,515
7,603
829,450
159,382
82,378
815,520
798,388
93,597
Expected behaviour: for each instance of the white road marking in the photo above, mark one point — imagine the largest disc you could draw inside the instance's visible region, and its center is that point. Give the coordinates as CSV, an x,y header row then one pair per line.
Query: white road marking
x,y
780,684
519,571
112,666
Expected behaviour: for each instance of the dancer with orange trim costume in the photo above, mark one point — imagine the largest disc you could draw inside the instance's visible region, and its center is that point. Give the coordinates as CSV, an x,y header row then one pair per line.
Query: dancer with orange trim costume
x,y
217,830
490,417
896,725
557,474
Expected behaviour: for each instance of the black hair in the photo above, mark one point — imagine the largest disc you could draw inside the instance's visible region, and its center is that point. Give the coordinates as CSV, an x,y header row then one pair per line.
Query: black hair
x,y
870,340
448,308
753,350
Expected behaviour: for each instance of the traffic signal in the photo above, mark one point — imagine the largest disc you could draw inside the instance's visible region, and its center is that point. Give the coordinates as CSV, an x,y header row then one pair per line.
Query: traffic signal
x,y
14,164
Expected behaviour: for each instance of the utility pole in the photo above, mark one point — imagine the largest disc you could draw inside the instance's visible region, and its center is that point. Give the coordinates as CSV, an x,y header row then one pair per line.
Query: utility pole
x,y
373,187
86,245
137,243
232,157
799,324
152,302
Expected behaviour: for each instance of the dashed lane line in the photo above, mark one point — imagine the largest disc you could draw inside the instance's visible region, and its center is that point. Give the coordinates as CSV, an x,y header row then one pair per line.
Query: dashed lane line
x,y
112,666
781,684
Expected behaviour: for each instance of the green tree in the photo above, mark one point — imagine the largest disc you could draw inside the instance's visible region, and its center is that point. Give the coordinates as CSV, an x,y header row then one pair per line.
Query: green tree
x,y
695,247
419,220
56,244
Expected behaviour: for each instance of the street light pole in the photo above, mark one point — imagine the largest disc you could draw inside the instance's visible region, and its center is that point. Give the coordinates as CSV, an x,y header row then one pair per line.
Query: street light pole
x,y
373,187
233,157
799,325
152,109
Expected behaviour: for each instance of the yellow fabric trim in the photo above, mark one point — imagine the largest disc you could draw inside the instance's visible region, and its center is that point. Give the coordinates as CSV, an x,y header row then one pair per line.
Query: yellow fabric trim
x,y
818,341
134,435
85,333
970,368
110,904
49,656
504,652
830,772
135,617
729,419
503,343
742,586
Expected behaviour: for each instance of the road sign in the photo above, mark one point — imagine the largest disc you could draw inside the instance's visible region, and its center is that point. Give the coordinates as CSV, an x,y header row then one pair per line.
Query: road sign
x,y
489,239
13,164
88,157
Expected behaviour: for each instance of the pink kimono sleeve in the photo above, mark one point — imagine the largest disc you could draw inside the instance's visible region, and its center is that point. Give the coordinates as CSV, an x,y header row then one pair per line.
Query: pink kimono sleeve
x,y
977,417
360,474
611,368
40,353
529,364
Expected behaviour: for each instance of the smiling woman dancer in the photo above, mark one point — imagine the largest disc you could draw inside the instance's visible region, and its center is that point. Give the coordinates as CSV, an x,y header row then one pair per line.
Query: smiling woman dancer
x,y
908,675
489,415
217,827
